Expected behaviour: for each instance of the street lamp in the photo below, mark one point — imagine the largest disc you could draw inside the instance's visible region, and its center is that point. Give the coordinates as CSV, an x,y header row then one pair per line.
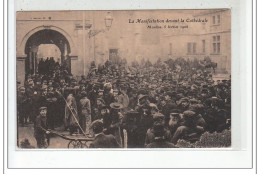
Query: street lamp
x,y
108,24
108,20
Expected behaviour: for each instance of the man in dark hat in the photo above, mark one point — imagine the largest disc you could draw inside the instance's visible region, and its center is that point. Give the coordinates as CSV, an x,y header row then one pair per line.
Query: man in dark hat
x,y
30,92
115,94
158,120
167,106
116,120
160,141
183,104
199,110
189,131
83,80
52,108
97,109
146,120
40,128
129,123
108,95
215,116
101,140
100,93
175,121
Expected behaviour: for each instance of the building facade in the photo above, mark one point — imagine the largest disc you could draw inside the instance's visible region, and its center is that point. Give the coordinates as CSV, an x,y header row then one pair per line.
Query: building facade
x,y
83,37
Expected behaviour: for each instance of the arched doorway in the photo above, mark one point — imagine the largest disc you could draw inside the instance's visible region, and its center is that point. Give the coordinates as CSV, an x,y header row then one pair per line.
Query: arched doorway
x,y
46,37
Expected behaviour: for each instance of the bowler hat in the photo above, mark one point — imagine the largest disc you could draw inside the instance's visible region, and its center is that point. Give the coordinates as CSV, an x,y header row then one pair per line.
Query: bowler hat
x,y
42,108
158,116
116,105
188,115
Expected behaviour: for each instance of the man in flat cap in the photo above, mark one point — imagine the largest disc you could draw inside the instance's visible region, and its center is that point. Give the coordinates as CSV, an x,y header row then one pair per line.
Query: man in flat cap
x,y
101,140
40,128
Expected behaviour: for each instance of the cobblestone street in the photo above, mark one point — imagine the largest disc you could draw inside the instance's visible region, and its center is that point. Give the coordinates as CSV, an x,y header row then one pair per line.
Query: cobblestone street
x,y
28,131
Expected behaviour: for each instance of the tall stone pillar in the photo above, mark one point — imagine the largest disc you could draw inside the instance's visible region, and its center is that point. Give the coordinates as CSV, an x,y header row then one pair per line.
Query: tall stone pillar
x,y
20,70
30,58
67,60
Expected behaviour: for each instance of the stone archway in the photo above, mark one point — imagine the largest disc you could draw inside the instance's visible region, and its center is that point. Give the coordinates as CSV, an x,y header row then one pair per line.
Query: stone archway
x,y
46,36
27,49
21,46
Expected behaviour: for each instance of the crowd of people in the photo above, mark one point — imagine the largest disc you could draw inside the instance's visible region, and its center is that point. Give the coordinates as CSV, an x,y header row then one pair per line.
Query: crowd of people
x,y
153,105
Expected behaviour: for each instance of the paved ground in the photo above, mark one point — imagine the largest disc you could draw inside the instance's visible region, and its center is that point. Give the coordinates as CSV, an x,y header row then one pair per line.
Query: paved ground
x,y
27,132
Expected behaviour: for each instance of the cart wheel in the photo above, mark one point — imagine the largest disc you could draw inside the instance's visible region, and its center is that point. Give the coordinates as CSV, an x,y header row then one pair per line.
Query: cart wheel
x,y
84,144
73,144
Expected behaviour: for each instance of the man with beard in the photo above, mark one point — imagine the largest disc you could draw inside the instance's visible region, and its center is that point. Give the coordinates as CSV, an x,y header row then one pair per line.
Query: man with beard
x,y
175,121
167,106
146,120
183,104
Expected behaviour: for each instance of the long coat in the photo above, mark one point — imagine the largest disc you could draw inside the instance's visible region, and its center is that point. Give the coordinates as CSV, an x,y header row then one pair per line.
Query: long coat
x,y
84,113
39,132
71,115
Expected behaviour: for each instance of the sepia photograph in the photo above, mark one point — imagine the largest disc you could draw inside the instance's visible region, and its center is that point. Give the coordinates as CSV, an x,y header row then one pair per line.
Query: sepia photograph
x,y
123,79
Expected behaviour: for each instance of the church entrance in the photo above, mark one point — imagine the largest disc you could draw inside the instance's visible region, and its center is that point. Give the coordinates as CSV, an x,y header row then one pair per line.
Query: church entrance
x,y
47,50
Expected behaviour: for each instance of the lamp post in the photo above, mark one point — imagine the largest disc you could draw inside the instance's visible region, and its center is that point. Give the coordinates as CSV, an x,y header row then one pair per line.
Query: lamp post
x,y
108,23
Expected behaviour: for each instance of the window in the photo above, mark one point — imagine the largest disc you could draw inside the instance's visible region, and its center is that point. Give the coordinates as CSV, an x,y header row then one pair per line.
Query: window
x,y
216,45
170,48
191,48
194,48
113,55
216,20
203,46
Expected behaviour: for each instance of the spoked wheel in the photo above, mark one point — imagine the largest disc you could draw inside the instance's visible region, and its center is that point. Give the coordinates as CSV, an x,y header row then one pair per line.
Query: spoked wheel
x,y
84,144
74,144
